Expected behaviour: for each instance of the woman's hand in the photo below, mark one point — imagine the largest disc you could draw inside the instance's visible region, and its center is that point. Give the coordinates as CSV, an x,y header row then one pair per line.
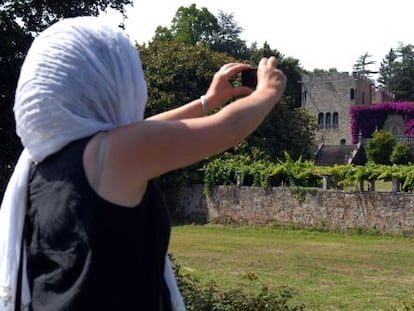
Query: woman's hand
x,y
221,90
270,79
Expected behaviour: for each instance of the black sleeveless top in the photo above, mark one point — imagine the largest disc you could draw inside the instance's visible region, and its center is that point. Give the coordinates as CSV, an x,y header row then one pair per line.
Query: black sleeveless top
x,y
85,253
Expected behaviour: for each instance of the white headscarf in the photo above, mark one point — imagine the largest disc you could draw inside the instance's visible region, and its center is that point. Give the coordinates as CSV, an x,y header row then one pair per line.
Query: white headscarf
x,y
79,77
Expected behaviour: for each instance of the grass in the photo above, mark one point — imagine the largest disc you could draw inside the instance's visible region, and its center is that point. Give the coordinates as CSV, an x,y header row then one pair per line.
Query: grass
x,y
330,271
380,186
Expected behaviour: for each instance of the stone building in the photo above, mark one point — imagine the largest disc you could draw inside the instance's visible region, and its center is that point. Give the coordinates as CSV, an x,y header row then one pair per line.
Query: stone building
x,y
329,97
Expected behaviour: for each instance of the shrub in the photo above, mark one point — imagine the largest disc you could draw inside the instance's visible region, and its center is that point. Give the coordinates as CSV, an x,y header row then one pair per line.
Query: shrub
x,y
401,154
212,298
379,148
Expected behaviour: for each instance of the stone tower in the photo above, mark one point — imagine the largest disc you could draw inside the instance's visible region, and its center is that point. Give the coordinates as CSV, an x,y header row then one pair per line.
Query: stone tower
x,y
329,96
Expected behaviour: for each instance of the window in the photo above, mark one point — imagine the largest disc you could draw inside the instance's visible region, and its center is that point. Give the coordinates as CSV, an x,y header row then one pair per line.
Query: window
x,y
320,120
352,94
304,95
394,131
335,120
343,142
328,120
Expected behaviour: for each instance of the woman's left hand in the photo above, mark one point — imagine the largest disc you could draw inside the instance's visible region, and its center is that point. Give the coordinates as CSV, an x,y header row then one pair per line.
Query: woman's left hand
x,y
221,90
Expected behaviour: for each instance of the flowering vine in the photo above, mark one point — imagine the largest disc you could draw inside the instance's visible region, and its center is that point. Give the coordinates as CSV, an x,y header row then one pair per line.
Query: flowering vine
x,y
367,118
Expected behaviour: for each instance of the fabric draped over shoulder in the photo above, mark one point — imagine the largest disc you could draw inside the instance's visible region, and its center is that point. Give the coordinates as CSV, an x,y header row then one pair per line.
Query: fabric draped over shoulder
x,y
80,76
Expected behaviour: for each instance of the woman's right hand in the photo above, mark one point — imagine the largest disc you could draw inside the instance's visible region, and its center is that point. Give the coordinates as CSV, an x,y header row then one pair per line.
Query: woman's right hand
x,y
270,79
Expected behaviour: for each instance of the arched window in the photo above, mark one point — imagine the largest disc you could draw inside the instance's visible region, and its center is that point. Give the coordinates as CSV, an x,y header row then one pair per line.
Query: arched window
x,y
335,120
304,95
320,120
352,94
343,142
394,131
328,120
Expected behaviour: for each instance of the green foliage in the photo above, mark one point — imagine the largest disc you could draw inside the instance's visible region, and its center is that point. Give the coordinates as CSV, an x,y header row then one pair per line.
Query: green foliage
x,y
360,67
228,40
401,154
162,34
37,15
389,172
222,34
290,67
13,46
213,298
322,72
169,68
194,26
379,148
285,130
397,72
407,173
177,73
242,170
298,174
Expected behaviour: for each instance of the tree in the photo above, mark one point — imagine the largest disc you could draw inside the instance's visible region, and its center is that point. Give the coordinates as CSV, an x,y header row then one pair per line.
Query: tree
x,y
388,69
37,15
228,39
290,67
286,128
397,72
162,34
177,73
380,147
361,65
193,26
283,130
319,72
13,46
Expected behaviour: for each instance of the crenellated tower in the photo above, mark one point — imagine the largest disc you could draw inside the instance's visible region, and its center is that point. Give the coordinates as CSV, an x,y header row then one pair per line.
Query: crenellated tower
x,y
329,96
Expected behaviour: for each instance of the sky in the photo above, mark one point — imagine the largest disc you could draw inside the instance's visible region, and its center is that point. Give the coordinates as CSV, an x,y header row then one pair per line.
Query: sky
x,y
321,34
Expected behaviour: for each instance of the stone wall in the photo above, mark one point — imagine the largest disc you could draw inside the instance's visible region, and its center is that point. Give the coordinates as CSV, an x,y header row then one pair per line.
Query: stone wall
x,y
382,211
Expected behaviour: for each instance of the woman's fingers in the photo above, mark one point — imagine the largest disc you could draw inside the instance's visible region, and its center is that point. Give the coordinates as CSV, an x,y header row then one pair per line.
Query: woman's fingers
x,y
231,69
273,61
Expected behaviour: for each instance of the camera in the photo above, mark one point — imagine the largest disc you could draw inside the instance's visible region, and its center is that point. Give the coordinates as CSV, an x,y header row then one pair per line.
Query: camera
x,y
249,77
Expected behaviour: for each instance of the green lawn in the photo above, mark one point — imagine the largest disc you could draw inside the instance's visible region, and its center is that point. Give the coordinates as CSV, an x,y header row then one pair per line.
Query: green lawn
x,y
330,271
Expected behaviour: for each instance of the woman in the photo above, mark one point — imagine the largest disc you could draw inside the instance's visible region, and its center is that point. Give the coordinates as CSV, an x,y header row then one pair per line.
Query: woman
x,y
95,236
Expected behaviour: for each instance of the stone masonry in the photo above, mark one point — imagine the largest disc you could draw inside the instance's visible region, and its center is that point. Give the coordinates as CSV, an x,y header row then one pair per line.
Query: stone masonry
x,y
382,211
329,96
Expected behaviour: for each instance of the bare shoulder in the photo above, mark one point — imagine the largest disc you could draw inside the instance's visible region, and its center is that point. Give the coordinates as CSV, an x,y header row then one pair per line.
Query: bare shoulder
x,y
112,185
144,150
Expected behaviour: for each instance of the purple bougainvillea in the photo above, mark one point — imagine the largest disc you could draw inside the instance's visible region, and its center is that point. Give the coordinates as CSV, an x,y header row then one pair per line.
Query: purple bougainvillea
x,y
367,118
